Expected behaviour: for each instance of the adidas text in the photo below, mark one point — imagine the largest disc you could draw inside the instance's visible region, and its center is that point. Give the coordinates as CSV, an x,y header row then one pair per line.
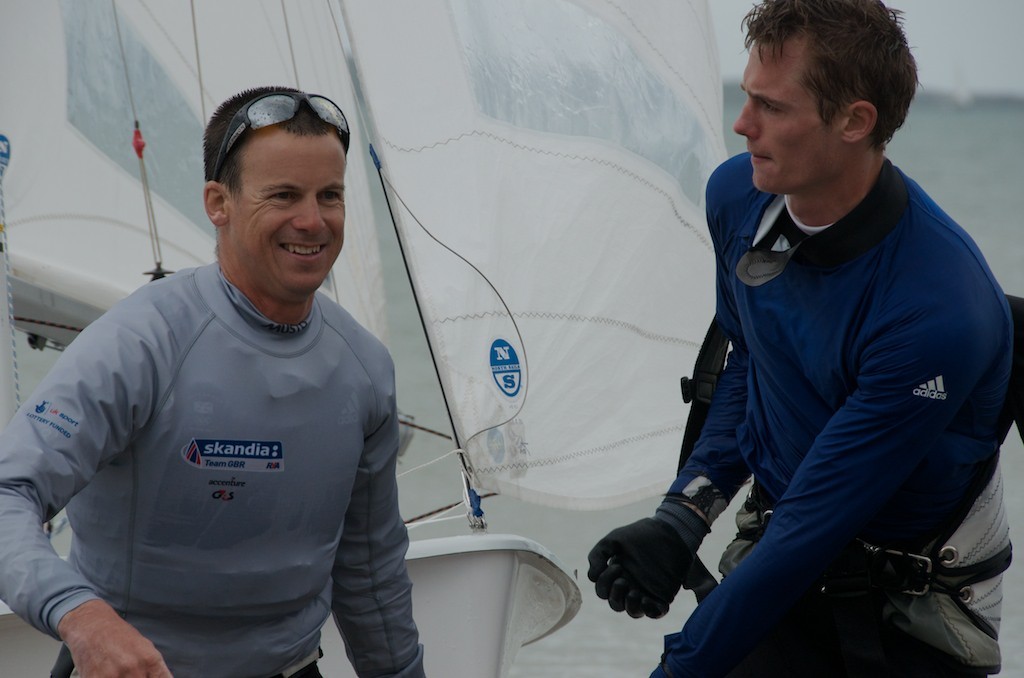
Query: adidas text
x,y
933,389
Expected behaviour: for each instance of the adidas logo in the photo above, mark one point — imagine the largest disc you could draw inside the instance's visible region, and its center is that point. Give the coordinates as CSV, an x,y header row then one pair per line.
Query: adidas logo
x,y
932,389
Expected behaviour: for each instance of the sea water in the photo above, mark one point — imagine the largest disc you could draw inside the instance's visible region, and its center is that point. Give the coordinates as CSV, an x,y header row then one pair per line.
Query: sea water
x,y
968,158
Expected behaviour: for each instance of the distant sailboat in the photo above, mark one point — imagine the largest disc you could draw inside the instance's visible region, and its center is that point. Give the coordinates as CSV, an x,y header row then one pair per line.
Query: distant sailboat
x,y
963,96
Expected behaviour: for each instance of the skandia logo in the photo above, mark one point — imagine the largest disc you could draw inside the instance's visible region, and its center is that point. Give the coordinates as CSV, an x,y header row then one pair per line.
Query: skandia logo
x,y
933,388
236,455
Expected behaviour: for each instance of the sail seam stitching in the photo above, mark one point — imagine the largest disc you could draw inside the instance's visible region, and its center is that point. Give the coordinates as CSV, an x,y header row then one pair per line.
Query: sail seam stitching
x,y
584,158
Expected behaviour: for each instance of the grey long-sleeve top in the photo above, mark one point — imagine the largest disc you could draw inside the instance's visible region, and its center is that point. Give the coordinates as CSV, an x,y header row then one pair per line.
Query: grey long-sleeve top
x,y
229,484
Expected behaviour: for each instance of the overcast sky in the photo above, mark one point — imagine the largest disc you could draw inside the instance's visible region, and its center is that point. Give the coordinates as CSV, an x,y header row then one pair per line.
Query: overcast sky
x,y
975,45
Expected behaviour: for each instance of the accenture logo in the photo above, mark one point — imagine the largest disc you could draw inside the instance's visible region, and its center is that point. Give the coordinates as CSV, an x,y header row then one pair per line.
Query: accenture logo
x,y
932,389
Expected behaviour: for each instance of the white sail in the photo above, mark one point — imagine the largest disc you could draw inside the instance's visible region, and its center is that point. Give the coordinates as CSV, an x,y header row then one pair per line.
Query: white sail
x,y
545,161
80,237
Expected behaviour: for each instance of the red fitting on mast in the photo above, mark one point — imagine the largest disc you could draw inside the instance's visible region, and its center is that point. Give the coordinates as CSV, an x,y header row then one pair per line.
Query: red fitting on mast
x,y
138,143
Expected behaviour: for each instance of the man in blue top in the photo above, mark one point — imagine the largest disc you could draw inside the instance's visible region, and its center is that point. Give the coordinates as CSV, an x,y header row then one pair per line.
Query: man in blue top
x,y
870,358
225,440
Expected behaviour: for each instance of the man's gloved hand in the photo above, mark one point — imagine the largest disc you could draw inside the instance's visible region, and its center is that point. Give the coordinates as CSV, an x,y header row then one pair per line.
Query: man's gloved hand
x,y
640,567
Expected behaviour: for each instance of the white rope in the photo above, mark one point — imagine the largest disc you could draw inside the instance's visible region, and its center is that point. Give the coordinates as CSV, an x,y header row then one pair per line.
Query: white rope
x,y
291,50
429,463
154,239
199,67
10,293
430,521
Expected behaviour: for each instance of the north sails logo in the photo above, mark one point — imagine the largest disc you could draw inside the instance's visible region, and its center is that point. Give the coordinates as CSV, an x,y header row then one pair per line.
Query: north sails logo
x,y
505,367
933,389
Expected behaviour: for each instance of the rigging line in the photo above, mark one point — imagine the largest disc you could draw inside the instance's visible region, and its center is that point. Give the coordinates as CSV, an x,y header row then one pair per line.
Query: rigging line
x,y
291,50
419,310
337,31
426,464
471,498
431,521
199,63
124,62
431,431
47,323
511,316
139,144
171,39
442,509
15,377
341,46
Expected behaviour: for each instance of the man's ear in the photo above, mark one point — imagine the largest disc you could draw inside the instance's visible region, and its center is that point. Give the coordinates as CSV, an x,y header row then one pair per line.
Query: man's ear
x,y
215,200
859,121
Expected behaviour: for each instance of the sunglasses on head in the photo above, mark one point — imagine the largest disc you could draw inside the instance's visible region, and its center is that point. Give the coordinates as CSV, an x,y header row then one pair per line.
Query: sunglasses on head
x,y
277,107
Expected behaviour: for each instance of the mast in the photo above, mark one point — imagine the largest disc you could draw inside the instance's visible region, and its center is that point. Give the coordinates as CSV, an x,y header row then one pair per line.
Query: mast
x,y
8,360
471,498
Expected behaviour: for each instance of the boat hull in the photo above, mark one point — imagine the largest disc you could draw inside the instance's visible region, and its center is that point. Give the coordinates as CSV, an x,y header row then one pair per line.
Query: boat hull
x,y
477,600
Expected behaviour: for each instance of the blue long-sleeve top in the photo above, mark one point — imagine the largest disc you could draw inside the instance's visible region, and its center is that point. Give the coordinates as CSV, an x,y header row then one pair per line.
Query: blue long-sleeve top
x,y
861,393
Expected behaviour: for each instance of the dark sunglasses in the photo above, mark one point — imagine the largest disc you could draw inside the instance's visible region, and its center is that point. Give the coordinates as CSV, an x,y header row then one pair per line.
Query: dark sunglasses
x,y
277,107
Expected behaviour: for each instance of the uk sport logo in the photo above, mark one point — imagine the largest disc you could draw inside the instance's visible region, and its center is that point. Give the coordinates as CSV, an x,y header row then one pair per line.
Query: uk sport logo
x,y
235,455
46,414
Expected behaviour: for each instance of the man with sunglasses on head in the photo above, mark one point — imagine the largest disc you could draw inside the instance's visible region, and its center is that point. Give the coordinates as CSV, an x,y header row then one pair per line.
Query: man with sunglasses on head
x,y
870,357
225,441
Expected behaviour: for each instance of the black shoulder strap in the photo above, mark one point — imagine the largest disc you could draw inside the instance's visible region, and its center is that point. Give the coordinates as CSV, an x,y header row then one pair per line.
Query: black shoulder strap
x,y
1013,409
698,389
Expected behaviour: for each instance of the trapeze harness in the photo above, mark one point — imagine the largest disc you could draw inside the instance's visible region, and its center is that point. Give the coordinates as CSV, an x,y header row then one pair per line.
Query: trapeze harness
x,y
932,565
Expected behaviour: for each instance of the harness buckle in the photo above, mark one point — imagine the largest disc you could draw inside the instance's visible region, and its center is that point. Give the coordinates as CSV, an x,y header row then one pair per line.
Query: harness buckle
x,y
919,579
864,566
896,570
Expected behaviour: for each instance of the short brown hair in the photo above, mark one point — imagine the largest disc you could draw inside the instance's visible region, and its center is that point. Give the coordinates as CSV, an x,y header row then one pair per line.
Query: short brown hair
x,y
858,51
305,122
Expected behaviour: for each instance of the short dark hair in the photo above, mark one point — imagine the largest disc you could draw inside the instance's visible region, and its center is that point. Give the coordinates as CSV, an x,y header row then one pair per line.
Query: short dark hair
x,y
858,51
305,123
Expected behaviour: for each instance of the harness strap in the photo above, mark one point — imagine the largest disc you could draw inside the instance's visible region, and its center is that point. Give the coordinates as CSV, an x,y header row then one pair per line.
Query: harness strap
x,y
870,567
863,568
1013,409
860,636
698,391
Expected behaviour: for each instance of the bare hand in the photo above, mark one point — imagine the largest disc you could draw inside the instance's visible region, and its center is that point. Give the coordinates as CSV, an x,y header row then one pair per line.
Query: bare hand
x,y
104,645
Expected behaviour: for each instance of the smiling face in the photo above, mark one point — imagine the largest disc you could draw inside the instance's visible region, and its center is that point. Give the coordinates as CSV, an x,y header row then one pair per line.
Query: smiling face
x,y
793,151
280,234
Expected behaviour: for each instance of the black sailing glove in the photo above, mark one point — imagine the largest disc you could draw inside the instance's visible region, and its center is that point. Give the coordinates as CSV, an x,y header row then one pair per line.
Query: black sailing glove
x,y
640,567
